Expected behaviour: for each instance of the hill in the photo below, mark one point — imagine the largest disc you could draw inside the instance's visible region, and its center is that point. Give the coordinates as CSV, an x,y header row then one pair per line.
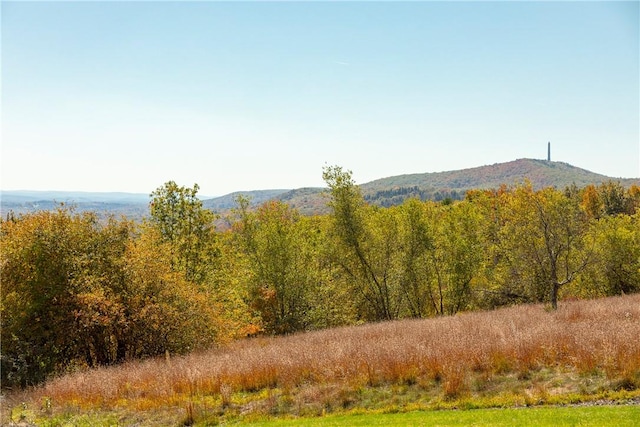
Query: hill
x,y
541,173
454,184
228,201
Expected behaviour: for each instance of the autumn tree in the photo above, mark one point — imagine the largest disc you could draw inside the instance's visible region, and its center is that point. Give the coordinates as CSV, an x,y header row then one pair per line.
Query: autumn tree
x,y
80,291
61,277
591,201
164,311
543,240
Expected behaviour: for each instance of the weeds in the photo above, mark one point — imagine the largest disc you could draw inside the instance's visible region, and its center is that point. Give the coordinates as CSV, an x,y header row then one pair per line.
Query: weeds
x,y
482,354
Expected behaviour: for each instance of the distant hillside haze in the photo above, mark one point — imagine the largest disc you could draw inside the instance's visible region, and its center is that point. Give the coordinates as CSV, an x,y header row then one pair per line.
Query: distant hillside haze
x,y
383,192
133,205
73,196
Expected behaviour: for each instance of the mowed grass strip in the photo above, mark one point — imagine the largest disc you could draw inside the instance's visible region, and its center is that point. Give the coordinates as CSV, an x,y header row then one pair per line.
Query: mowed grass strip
x,y
596,416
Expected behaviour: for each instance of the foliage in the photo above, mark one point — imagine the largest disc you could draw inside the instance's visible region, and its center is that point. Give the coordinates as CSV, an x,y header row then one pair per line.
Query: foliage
x,y
82,291
187,226
616,240
543,240
289,280
277,250
367,238
79,292
60,273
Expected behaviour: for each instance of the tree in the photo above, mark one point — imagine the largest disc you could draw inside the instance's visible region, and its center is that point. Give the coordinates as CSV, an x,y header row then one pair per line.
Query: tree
x,y
616,267
61,278
613,198
164,311
457,257
187,226
277,247
367,237
78,291
591,201
543,240
418,242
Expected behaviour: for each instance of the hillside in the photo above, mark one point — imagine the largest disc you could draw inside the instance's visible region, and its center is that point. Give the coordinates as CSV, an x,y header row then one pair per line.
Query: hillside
x,y
541,173
583,353
228,201
454,184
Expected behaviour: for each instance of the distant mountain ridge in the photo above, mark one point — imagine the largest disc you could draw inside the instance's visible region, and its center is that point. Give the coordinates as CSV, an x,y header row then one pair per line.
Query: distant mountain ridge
x,y
134,205
73,196
383,192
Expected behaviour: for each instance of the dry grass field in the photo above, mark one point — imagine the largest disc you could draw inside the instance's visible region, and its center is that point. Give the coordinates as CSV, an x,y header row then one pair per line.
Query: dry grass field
x,y
525,355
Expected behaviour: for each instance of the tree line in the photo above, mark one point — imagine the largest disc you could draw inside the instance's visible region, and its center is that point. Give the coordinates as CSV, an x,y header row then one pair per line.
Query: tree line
x,y
79,291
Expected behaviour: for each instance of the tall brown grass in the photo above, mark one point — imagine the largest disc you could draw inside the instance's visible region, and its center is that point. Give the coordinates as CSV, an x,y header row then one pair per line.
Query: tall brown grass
x,y
581,336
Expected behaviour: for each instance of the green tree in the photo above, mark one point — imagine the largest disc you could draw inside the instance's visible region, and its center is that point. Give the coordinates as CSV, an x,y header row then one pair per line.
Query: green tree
x,y
368,242
457,257
279,260
187,226
616,267
331,303
417,237
614,198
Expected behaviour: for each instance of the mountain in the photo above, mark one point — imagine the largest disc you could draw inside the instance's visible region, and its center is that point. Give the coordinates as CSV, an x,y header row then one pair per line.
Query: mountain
x,y
382,192
541,173
454,184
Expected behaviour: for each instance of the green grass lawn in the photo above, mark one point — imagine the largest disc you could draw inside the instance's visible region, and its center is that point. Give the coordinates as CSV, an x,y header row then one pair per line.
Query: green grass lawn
x,y
596,416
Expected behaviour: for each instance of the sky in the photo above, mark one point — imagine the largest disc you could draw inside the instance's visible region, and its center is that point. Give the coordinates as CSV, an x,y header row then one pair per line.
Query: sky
x,y
125,96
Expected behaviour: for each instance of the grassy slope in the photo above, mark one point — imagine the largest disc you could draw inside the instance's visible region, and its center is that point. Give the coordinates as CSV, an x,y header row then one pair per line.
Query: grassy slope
x,y
513,357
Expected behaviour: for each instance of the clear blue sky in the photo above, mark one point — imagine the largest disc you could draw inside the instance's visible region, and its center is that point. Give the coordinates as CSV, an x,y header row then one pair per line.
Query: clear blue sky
x,y
124,96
